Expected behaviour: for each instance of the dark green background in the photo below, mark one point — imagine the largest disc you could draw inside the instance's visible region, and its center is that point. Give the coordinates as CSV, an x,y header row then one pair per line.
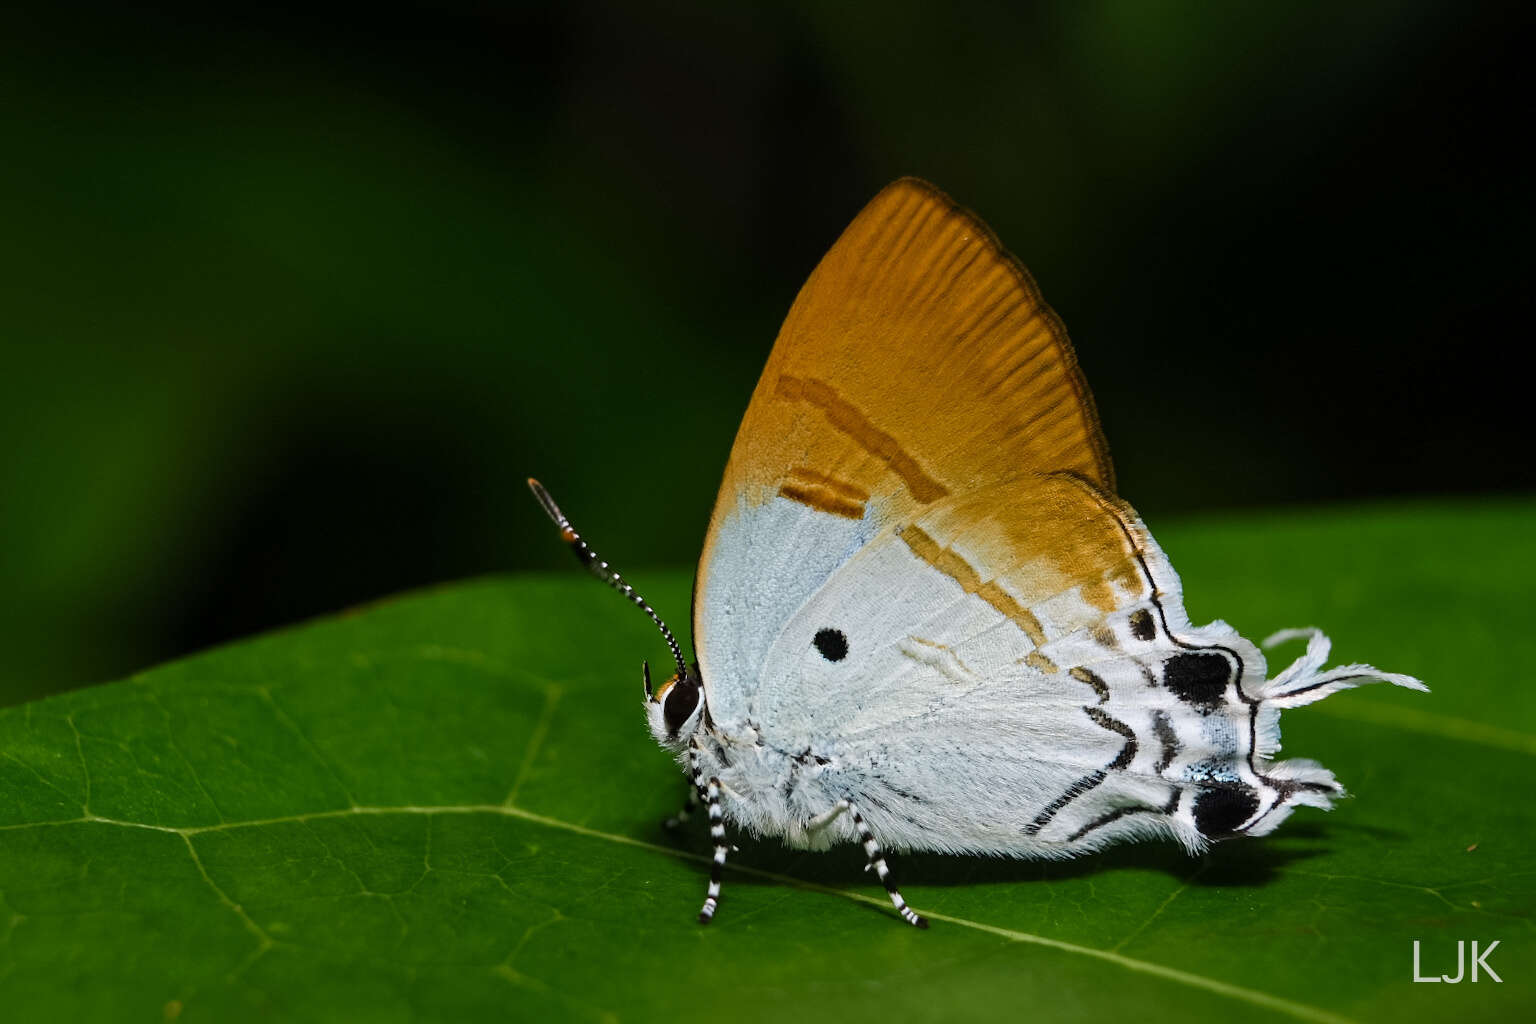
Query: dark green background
x,y
290,304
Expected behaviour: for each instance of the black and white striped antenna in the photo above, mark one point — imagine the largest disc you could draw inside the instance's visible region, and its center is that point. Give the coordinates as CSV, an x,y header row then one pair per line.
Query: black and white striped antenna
x,y
607,573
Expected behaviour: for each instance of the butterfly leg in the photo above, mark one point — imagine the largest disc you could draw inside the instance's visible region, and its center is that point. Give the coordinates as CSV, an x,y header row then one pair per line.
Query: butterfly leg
x,y
877,861
826,818
717,832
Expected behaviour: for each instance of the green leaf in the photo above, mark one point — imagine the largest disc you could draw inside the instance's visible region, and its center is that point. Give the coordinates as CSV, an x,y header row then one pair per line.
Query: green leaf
x,y
445,807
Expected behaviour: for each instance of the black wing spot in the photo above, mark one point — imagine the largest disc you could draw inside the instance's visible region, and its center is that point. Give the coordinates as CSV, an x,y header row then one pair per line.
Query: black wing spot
x,y
1142,626
1221,809
1199,679
832,643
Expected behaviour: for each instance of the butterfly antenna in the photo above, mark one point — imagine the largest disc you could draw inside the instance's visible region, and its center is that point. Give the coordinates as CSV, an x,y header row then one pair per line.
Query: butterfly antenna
x,y
605,572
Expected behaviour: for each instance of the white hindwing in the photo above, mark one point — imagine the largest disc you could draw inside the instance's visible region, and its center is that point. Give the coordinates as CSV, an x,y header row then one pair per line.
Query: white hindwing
x,y
954,730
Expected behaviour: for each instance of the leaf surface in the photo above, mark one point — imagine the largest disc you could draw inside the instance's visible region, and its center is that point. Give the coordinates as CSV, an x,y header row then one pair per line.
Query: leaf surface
x,y
445,807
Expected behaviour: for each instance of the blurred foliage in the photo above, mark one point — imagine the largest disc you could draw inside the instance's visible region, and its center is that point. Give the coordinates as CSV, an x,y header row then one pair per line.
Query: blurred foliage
x,y
292,302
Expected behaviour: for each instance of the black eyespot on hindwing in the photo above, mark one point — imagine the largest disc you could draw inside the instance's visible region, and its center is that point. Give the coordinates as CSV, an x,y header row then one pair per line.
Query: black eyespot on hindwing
x,y
1221,809
832,643
1199,678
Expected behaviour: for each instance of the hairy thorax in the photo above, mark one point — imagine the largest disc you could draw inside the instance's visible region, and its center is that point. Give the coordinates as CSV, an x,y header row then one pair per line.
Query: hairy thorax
x,y
774,791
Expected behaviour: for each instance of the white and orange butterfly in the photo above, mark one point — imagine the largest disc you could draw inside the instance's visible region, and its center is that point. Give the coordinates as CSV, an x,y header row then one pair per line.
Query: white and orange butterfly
x,y
925,621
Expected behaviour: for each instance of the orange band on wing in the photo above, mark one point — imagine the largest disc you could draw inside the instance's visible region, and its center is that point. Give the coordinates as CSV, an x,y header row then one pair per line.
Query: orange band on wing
x,y
1040,663
959,570
824,494
850,421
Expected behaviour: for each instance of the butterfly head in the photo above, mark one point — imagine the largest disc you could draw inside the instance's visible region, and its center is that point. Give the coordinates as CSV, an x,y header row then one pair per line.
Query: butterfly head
x,y
675,709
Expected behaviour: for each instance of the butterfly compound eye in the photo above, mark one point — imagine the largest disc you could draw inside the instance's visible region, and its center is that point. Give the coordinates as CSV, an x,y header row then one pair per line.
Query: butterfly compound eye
x,y
831,643
680,701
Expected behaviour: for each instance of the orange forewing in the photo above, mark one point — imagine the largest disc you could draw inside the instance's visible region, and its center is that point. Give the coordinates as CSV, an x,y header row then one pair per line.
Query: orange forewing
x,y
918,362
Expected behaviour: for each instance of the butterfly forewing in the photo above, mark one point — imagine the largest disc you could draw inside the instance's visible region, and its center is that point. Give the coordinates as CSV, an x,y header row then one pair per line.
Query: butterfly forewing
x,y
918,362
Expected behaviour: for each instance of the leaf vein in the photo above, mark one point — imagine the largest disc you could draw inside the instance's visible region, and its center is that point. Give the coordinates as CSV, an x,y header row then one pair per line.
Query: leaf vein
x,y
288,723
1161,907
170,733
40,777
552,696
264,941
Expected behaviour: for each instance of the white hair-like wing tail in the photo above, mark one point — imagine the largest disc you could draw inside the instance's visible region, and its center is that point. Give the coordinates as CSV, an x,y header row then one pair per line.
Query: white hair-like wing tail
x,y
1305,680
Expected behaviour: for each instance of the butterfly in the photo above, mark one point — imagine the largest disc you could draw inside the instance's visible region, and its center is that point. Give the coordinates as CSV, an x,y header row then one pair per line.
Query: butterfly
x,y
924,619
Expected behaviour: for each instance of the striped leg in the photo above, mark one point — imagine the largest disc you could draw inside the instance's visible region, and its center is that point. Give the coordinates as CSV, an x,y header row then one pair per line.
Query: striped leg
x,y
877,861
716,832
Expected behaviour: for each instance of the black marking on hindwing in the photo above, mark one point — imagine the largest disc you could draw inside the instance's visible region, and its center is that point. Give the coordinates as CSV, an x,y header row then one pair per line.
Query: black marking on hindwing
x,y
1199,678
1074,791
1110,817
1128,752
1219,810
